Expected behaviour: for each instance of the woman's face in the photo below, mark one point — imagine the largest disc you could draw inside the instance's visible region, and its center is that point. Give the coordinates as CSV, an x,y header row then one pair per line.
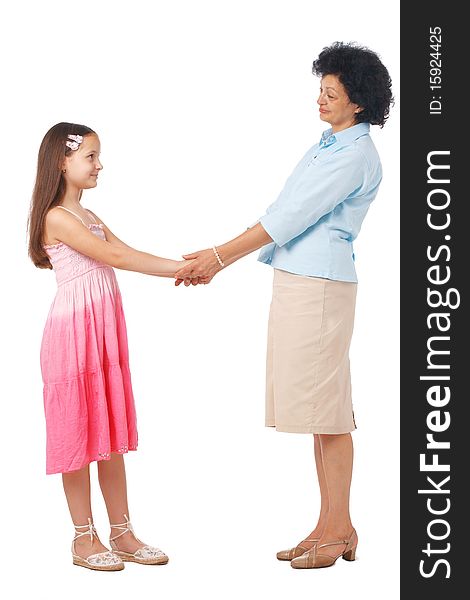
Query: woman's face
x,y
83,165
335,106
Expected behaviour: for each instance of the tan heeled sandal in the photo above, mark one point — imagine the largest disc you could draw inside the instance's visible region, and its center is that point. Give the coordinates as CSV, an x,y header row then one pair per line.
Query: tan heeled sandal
x,y
103,561
313,559
148,555
295,552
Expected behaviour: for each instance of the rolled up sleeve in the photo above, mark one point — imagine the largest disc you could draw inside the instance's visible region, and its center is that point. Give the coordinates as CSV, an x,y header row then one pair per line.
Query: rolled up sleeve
x,y
318,191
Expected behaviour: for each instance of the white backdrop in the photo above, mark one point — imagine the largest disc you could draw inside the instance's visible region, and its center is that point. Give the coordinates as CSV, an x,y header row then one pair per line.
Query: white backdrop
x,y
203,109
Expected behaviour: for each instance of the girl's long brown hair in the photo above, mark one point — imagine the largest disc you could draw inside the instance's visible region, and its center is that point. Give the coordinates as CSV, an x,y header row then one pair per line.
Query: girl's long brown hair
x,y
49,188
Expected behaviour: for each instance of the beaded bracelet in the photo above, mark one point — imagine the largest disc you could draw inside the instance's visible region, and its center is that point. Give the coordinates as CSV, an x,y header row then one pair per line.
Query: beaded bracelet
x,y
217,256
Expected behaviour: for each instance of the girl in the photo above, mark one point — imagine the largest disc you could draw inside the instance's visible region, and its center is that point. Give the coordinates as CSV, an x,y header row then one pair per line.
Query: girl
x,y
88,399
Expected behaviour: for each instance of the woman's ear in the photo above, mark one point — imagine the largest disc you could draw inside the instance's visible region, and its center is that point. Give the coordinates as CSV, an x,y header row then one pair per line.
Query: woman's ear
x,y
358,110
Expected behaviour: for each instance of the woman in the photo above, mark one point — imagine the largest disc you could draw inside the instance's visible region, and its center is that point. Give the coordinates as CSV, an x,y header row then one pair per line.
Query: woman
x,y
307,237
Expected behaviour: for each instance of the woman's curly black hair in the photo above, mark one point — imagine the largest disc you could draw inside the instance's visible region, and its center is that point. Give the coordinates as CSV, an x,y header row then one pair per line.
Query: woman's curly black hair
x,y
364,77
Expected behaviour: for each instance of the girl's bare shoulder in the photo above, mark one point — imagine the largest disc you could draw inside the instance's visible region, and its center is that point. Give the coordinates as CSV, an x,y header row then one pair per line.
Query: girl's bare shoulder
x,y
55,219
98,220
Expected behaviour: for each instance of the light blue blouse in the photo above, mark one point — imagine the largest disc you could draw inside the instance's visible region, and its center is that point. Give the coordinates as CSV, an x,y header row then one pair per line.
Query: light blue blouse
x,y
320,210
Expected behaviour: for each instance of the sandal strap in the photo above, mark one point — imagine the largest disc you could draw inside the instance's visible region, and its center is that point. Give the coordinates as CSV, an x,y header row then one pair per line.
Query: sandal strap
x,y
127,526
337,543
90,527
301,545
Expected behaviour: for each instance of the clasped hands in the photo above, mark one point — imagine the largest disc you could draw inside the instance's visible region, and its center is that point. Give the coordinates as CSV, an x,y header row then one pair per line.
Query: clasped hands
x,y
202,268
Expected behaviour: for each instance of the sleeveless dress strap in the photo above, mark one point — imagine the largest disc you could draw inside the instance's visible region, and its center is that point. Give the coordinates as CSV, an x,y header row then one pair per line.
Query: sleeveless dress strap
x,y
74,214
92,216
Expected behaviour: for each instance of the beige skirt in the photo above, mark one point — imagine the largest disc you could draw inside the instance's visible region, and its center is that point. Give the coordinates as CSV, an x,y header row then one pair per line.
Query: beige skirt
x,y
308,381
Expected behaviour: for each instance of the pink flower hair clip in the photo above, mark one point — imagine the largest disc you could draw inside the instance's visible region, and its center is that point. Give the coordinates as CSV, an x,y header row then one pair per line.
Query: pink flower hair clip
x,y
75,144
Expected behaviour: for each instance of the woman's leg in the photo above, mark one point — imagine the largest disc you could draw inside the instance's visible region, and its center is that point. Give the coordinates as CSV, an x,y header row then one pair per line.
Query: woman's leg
x,y
77,491
316,533
337,457
112,478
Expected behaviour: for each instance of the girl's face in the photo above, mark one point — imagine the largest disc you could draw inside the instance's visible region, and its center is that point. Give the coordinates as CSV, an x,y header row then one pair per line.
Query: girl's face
x,y
83,165
335,106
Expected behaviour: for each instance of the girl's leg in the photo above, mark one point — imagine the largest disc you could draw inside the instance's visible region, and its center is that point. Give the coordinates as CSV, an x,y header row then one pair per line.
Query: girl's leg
x,y
316,533
112,478
77,491
337,458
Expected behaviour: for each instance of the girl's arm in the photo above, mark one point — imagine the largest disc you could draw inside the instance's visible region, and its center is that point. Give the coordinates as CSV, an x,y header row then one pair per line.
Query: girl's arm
x,y
110,237
113,239
67,229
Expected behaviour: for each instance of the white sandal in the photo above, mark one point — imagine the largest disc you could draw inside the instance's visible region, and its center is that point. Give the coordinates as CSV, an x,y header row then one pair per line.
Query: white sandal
x,y
103,561
148,555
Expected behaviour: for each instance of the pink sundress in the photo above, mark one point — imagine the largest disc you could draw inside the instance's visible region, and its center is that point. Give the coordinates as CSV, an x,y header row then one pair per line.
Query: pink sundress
x,y
88,400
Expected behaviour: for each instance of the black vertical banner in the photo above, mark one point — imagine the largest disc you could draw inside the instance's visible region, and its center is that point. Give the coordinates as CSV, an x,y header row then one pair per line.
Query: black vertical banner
x,y
435,329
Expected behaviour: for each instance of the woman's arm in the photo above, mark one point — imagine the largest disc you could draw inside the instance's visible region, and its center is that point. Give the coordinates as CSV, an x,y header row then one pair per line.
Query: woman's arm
x,y
67,229
250,240
205,264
